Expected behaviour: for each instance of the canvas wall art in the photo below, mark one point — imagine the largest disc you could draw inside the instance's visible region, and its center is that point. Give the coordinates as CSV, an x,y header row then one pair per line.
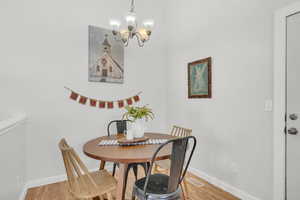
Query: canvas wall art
x,y
106,57
199,78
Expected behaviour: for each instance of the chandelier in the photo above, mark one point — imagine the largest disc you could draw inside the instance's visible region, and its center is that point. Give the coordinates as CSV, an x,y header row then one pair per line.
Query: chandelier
x,y
132,30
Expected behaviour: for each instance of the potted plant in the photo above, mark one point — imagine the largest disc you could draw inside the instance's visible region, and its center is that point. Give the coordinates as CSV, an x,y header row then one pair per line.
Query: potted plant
x,y
138,116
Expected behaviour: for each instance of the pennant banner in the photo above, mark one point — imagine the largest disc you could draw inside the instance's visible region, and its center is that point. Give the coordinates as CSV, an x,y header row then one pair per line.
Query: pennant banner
x,y
102,103
121,103
74,96
93,102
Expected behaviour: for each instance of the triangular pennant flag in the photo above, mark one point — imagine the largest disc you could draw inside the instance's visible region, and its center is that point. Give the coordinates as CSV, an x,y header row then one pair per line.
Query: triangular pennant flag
x,y
74,96
129,101
82,100
110,105
101,104
136,98
93,102
121,103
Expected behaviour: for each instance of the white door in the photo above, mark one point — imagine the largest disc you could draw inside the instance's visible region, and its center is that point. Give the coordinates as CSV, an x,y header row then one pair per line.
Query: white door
x,y
293,108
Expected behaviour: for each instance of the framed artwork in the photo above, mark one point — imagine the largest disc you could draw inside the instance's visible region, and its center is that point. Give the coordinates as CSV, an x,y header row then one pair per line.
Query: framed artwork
x,y
199,78
106,57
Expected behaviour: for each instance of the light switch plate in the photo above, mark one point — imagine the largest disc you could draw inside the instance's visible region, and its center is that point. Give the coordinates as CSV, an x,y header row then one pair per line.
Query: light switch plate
x,y
268,105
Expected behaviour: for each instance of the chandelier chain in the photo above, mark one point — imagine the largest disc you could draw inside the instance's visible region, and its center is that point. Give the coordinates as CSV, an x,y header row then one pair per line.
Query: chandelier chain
x,y
132,6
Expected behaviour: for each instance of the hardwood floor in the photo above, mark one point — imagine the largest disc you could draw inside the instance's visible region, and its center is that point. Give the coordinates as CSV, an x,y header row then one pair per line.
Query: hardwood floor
x,y
198,189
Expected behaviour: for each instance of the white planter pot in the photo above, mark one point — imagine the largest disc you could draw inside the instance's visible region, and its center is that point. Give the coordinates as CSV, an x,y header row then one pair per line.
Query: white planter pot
x,y
138,127
129,135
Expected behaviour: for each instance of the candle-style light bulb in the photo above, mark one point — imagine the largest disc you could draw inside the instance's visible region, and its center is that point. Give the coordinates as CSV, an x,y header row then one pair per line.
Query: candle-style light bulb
x,y
131,21
148,24
115,24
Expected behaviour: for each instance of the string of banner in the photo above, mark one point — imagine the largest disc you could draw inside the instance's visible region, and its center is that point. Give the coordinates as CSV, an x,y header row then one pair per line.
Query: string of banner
x,y
102,103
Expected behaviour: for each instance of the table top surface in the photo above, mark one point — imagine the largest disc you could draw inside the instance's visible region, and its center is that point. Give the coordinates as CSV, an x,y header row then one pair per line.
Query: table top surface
x,y
127,154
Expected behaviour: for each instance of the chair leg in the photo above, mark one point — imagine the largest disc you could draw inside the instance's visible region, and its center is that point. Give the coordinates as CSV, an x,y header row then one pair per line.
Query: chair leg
x,y
185,188
126,178
101,197
102,165
145,167
133,195
155,169
109,196
148,165
183,192
135,171
114,169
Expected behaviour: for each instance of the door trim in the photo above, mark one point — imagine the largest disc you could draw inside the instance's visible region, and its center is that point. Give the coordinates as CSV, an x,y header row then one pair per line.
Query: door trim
x,y
279,92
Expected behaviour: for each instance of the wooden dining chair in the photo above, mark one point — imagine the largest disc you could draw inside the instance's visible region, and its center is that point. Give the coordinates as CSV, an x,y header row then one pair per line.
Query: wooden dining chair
x,y
162,186
164,165
81,183
180,131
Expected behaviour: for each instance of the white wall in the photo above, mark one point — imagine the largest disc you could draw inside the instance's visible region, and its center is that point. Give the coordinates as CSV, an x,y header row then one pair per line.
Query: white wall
x,y
233,130
12,156
44,47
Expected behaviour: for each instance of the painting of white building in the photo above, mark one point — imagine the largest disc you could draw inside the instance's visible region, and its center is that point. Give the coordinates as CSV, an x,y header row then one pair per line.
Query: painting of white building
x,y
106,57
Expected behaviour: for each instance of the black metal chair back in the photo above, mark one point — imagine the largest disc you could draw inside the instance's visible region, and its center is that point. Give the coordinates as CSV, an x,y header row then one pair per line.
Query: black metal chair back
x,y
120,124
178,157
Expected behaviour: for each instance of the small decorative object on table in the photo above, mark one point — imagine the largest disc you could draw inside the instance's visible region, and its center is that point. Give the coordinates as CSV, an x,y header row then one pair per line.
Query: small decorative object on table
x,y
125,141
138,115
129,135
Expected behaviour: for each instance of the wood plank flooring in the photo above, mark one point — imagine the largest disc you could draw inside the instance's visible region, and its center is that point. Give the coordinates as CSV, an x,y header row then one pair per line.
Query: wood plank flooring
x,y
198,189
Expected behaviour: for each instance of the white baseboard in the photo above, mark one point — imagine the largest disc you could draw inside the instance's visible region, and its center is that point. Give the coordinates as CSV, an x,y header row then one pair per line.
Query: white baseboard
x,y
50,180
39,182
224,186
23,193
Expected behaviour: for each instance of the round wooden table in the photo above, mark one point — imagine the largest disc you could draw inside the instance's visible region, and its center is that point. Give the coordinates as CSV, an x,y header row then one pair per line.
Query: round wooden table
x,y
125,155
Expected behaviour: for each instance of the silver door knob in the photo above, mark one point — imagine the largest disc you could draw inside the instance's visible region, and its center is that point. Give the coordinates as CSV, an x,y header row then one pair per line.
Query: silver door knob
x,y
293,131
293,116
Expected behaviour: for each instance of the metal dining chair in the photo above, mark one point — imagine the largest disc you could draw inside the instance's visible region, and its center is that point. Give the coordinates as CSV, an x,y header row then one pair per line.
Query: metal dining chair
x,y
121,126
162,186
164,165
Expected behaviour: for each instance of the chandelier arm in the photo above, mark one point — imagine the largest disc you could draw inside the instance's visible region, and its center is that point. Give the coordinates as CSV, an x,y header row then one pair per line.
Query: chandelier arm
x,y
127,41
118,37
140,43
140,36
